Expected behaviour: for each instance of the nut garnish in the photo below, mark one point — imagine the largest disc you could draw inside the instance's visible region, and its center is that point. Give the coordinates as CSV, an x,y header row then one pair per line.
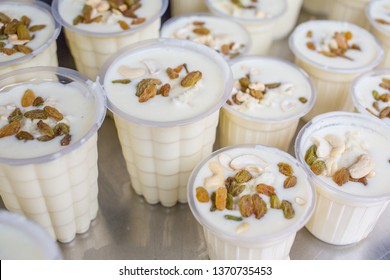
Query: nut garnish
x,y
382,100
53,113
341,176
202,194
24,135
28,98
285,169
290,182
336,45
121,81
165,89
16,115
66,140
265,189
191,79
15,34
288,210
10,129
220,198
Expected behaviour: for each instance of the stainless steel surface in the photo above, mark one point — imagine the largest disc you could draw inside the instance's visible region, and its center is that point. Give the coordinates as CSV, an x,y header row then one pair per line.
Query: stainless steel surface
x,y
128,228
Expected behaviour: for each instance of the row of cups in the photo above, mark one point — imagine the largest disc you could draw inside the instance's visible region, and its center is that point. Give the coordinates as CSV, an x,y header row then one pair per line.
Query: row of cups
x,y
161,152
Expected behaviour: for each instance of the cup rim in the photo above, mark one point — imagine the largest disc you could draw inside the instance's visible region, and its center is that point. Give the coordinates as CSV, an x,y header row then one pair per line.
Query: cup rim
x,y
36,231
313,92
93,87
173,20
352,89
247,20
188,45
316,179
56,32
266,238
60,20
298,54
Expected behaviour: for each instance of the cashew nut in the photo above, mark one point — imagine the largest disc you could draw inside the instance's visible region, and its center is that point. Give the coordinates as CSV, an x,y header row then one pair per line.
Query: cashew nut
x,y
323,147
338,145
249,162
331,166
131,73
225,160
152,65
242,227
103,6
362,167
217,179
300,201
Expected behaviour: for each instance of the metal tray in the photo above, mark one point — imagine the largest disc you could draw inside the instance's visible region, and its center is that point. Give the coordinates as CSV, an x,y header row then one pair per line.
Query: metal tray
x,y
129,228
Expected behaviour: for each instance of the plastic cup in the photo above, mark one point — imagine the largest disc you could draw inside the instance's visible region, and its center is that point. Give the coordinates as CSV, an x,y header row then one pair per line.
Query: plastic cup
x,y
180,7
362,94
287,22
262,30
162,143
347,214
23,239
317,7
351,11
269,237
56,187
44,49
223,32
332,76
91,48
375,11
271,121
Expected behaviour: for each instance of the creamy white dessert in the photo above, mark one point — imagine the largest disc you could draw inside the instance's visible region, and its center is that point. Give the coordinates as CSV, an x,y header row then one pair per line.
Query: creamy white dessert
x,y
371,94
228,38
377,13
180,7
258,17
165,95
55,107
21,239
48,148
267,93
347,157
250,196
27,36
96,29
333,53
349,10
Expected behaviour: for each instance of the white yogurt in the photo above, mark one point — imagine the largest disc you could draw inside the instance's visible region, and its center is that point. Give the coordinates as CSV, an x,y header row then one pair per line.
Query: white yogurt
x,y
363,93
38,17
322,38
281,102
183,103
270,230
378,13
226,37
69,99
70,9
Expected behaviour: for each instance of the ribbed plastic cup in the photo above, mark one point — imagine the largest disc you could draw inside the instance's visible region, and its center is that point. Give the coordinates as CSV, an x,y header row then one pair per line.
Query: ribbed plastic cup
x,y
160,155
341,217
317,7
23,239
57,189
351,11
287,22
44,54
257,239
91,49
180,7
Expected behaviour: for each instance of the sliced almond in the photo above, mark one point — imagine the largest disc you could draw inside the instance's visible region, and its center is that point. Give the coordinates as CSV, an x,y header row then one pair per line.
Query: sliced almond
x,y
131,73
28,98
249,162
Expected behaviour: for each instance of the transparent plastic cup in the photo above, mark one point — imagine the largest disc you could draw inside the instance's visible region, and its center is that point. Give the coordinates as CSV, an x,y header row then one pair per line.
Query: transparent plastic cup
x,y
180,7
160,155
58,188
351,11
362,96
262,30
23,239
331,81
380,30
287,22
267,238
222,32
90,49
43,54
342,217
317,7
251,127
